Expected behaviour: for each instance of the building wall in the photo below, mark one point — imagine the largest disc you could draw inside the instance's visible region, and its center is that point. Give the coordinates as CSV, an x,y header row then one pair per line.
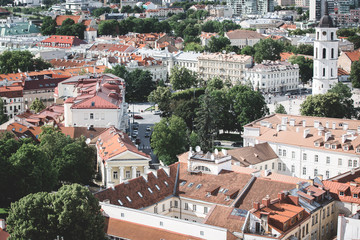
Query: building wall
x,y
158,221
344,62
101,117
13,106
348,228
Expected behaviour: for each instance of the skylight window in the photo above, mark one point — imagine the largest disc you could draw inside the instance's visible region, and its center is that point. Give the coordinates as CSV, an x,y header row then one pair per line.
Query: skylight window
x,y
128,198
190,184
120,202
198,186
150,190
140,194
221,190
225,191
166,183
183,183
158,188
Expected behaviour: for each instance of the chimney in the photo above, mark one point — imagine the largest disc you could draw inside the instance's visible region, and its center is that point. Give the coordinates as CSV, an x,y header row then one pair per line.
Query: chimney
x,y
320,132
284,120
306,132
278,128
316,124
327,136
304,123
345,126
292,122
334,125
2,223
327,125
256,205
266,201
343,138
281,196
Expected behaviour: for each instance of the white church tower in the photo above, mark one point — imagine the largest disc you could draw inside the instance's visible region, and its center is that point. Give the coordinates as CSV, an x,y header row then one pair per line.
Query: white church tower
x,y
325,55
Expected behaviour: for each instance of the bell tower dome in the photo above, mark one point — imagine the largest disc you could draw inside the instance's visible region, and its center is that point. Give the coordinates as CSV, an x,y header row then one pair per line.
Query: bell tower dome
x,y
325,55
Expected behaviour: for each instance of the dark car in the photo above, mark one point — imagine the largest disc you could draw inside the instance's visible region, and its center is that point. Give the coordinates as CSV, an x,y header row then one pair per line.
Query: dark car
x,y
217,143
148,128
147,134
137,141
138,117
236,144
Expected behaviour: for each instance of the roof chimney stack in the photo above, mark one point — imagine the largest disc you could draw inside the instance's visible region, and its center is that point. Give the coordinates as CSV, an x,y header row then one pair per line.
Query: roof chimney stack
x,y
256,205
334,125
281,196
266,201
304,123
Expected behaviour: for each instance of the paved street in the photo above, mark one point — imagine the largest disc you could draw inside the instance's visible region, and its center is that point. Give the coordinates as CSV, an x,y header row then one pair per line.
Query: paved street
x,y
149,120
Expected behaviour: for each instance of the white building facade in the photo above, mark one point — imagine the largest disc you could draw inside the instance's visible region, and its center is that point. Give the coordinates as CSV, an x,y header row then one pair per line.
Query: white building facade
x,y
325,56
270,77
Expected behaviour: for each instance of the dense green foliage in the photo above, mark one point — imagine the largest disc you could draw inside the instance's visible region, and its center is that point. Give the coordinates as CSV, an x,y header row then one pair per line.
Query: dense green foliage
x,y
182,78
129,9
351,34
280,109
139,83
72,213
37,105
305,67
3,117
267,49
337,103
48,26
109,27
69,28
24,61
355,74
169,139
100,11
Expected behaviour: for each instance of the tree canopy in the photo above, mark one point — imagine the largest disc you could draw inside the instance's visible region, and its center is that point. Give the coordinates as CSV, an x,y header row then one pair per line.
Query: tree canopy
x,y
72,213
70,28
267,49
169,139
280,109
37,105
337,103
109,27
355,74
305,67
24,61
182,78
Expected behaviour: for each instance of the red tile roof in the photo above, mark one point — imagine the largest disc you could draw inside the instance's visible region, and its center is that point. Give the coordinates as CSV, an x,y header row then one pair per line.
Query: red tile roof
x,y
13,91
58,41
129,230
353,56
60,18
3,234
342,72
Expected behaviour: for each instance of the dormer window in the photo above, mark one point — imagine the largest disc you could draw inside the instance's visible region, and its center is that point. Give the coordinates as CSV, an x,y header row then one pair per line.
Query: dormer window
x,y
317,144
333,146
355,195
327,145
346,148
341,193
358,149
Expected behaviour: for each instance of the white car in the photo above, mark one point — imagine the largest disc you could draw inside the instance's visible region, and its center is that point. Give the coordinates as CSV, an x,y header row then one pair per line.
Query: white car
x,y
157,113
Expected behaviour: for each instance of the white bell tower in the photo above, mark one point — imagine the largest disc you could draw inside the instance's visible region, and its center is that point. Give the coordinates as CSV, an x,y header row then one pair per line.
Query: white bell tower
x,y
325,55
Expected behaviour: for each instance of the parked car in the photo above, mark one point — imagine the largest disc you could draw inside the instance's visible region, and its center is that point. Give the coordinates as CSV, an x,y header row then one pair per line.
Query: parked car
x,y
135,125
137,141
157,113
147,134
217,143
134,136
148,128
136,132
236,144
138,117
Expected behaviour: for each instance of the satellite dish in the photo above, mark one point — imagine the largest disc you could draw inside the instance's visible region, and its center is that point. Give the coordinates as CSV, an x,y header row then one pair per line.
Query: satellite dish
x,y
88,140
212,157
216,151
197,149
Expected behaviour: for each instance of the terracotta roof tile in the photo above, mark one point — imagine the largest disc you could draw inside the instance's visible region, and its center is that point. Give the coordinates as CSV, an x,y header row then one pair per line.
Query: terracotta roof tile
x,y
353,56
60,18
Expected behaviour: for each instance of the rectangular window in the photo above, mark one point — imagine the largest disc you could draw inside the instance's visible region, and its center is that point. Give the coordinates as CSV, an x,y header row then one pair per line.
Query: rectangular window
x,y
316,158
292,154
194,208
307,228
355,195
327,160
284,153
91,116
280,152
279,166
138,173
127,175
205,210
350,163
163,207
115,175
315,172
323,213
273,165
186,206
341,193
175,204
332,208
328,211
339,161
355,163
327,174
292,168
304,170
155,210
284,167
304,156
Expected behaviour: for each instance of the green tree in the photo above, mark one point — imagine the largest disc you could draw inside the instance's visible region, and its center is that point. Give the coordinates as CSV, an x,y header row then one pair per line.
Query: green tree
x,y
73,160
195,47
194,140
109,27
305,49
3,117
69,28
161,96
207,120
355,74
48,26
247,105
267,49
355,40
37,105
305,67
280,109
24,61
248,50
217,44
72,213
169,139
100,11
182,78
326,105
33,170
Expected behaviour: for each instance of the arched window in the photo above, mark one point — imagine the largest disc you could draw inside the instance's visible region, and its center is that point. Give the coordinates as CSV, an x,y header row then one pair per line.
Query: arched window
x,y
202,168
324,52
323,72
332,36
332,53
317,35
331,72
